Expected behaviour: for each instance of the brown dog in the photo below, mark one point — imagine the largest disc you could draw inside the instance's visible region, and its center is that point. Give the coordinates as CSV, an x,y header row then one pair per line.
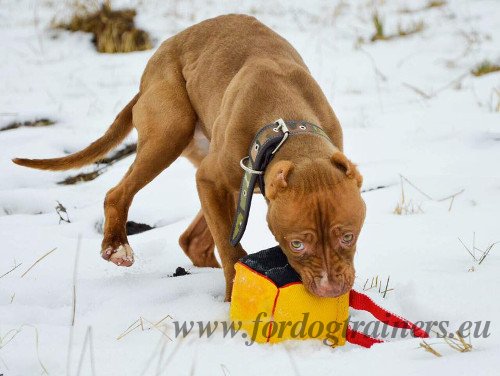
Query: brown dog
x,y
204,94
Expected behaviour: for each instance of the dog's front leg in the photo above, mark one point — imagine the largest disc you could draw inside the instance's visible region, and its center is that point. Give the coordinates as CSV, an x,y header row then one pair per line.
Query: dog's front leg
x,y
217,202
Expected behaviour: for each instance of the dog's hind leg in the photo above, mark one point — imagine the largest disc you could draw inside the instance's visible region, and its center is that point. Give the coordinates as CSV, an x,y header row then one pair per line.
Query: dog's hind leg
x,y
165,122
198,243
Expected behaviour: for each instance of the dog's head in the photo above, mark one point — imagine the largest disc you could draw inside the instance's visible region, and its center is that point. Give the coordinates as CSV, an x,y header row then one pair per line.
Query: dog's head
x,y
316,213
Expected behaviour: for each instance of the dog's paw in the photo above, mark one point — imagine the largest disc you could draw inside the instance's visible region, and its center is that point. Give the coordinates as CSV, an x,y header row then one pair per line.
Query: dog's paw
x,y
121,256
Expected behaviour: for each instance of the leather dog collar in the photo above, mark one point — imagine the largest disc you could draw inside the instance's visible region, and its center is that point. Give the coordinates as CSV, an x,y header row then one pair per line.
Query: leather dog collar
x,y
265,144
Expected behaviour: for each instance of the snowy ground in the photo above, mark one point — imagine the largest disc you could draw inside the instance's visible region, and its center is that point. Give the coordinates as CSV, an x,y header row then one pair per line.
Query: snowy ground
x,y
443,142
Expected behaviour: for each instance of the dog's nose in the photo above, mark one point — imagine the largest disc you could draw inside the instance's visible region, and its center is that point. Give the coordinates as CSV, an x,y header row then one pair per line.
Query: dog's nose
x,y
325,287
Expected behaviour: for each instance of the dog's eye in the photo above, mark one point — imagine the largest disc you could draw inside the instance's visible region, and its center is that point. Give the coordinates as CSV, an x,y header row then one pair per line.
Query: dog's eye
x,y
297,245
347,238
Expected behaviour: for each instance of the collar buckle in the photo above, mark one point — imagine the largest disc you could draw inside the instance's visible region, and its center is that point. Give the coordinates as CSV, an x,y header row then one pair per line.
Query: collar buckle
x,y
281,126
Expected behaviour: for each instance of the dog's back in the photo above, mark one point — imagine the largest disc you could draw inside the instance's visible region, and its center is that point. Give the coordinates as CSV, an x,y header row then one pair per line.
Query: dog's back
x,y
210,54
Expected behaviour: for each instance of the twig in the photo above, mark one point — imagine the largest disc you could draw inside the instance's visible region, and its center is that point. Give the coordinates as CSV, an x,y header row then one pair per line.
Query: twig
x,y
420,92
225,370
486,253
451,196
88,339
417,188
129,329
459,345
429,348
292,361
379,73
451,203
37,261
75,274
38,351
373,283
400,207
11,270
73,310
91,344
156,326
140,323
4,364
194,358
387,287
455,81
468,250
434,93
36,21
462,340
161,367
153,355
376,188
15,332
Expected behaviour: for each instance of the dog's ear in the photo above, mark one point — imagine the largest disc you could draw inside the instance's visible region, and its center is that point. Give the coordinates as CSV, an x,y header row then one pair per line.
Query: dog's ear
x,y
276,178
340,161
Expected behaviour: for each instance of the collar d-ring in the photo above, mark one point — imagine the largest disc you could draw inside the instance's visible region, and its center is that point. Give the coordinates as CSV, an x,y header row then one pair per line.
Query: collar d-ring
x,y
248,169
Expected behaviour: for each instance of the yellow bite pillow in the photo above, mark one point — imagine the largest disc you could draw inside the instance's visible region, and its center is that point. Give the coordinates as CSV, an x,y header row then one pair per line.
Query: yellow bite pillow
x,y
271,304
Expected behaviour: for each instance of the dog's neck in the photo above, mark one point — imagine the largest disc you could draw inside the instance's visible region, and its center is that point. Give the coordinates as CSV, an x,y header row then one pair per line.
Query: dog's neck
x,y
298,149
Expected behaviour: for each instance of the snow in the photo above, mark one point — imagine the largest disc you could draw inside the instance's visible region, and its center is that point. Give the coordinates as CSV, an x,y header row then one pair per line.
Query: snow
x,y
442,144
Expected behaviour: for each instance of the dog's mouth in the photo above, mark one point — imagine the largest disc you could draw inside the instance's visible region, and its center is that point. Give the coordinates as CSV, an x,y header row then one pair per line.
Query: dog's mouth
x,y
332,289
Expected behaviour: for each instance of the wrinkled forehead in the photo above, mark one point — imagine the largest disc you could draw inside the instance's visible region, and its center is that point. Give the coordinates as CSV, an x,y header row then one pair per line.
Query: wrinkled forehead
x,y
340,205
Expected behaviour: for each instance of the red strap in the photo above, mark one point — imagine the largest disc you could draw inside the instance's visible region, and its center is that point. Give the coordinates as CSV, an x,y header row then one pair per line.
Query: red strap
x,y
360,301
360,339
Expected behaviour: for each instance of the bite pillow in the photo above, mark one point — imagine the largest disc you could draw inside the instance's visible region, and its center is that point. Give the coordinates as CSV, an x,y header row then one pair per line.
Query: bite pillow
x,y
271,304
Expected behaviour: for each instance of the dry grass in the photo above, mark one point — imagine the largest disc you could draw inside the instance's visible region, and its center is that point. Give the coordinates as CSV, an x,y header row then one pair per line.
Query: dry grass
x,y
477,254
11,270
30,124
106,162
456,341
495,100
380,34
80,178
430,5
225,370
414,28
37,261
377,283
407,208
427,347
114,30
146,324
119,154
404,207
378,24
69,353
88,342
435,4
11,334
486,67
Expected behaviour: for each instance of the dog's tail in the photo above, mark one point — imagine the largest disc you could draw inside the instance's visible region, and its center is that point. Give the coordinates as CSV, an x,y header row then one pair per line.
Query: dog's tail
x,y
96,150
